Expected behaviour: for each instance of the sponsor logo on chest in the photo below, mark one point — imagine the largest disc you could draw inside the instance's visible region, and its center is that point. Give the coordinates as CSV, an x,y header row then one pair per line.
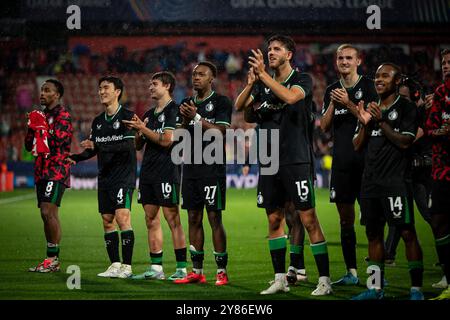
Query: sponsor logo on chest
x,y
340,112
393,115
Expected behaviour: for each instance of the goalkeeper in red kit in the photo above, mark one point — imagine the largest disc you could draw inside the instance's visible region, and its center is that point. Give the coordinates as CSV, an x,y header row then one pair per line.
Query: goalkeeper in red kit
x,y
49,138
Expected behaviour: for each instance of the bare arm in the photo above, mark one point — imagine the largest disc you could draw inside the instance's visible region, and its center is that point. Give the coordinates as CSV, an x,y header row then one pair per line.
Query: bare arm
x,y
361,137
402,141
244,99
189,112
327,118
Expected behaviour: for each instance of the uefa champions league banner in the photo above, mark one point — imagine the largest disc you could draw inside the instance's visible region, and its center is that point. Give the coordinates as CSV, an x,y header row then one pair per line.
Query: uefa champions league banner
x,y
204,11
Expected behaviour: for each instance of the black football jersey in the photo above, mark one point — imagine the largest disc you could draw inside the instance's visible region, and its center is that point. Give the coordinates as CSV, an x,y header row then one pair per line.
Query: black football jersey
x,y
386,165
116,155
344,122
294,121
157,165
215,109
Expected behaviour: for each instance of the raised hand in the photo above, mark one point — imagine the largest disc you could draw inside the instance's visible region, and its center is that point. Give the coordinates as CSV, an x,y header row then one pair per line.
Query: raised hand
x,y
340,96
135,123
87,144
188,110
428,101
257,62
251,77
375,111
363,116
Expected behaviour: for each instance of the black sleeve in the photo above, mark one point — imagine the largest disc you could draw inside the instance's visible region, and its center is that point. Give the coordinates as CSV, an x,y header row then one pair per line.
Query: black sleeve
x,y
223,113
85,155
326,100
256,91
171,117
304,82
371,94
409,121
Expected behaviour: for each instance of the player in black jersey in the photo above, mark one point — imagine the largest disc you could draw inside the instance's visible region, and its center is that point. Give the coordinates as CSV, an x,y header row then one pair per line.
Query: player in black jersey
x,y
340,115
113,143
203,184
285,103
159,179
420,179
388,129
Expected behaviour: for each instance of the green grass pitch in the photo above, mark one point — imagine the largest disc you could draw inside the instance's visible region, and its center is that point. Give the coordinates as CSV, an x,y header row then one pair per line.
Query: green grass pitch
x,y
249,268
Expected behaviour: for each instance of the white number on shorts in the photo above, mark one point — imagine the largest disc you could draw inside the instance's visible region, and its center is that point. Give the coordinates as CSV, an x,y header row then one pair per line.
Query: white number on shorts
x,y
120,196
49,187
166,187
397,203
302,189
210,192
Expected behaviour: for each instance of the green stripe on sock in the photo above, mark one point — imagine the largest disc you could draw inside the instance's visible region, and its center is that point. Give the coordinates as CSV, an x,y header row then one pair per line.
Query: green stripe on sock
x,y
181,264
319,248
52,249
294,248
415,264
156,260
220,254
443,241
125,231
277,243
196,252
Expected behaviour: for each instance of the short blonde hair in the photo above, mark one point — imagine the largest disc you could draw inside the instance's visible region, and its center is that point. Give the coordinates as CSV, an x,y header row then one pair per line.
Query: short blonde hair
x,y
348,46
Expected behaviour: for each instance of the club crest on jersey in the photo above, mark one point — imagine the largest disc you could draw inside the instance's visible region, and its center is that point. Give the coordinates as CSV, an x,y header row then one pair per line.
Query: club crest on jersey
x,y
116,124
50,120
358,94
393,115
445,116
332,194
209,107
162,118
259,198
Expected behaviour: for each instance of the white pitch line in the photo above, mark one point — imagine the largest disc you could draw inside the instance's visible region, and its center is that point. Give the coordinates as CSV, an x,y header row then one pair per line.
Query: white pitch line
x,y
18,198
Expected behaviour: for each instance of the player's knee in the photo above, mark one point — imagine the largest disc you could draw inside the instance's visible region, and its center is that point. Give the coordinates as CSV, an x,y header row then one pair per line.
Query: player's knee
x,y
374,232
173,222
310,223
439,226
275,222
47,212
194,219
408,234
152,222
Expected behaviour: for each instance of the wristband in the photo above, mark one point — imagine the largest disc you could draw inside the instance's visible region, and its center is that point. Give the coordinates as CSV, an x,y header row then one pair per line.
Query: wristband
x,y
197,118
